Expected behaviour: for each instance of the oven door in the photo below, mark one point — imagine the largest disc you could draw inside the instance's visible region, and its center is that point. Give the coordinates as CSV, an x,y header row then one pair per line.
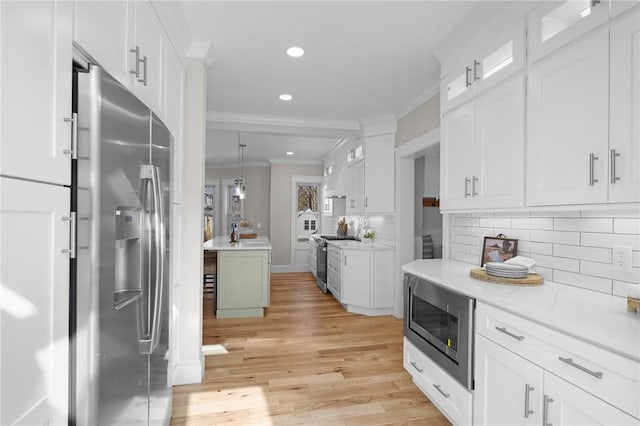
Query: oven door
x,y
440,323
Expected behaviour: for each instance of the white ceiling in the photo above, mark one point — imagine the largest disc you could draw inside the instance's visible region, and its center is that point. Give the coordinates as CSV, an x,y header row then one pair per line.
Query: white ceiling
x,y
362,59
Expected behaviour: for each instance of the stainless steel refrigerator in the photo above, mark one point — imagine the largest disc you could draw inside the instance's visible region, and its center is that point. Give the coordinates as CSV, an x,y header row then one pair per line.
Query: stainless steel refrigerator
x,y
120,344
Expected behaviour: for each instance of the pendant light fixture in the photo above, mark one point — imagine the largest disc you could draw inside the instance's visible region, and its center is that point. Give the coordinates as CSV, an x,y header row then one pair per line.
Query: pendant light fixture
x,y
240,188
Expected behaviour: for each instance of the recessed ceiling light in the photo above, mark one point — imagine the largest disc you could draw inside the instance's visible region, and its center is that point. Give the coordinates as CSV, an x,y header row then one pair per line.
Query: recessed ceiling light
x,y
286,97
289,152
295,52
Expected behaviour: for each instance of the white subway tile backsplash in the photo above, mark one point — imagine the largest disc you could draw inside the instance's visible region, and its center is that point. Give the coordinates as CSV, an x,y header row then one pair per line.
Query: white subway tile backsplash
x,y
594,254
609,240
572,247
560,237
493,222
533,247
533,223
590,283
584,225
607,271
626,226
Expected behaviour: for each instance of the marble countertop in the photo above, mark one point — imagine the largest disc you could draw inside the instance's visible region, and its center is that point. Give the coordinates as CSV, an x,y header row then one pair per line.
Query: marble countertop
x,y
222,243
599,319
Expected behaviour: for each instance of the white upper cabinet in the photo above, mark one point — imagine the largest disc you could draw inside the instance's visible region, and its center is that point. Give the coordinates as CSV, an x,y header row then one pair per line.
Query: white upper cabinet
x,y
482,150
624,127
36,90
554,24
568,125
469,74
102,29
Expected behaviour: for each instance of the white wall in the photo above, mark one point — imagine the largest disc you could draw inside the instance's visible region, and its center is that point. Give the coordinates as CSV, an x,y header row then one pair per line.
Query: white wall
x,y
573,247
280,209
258,194
189,360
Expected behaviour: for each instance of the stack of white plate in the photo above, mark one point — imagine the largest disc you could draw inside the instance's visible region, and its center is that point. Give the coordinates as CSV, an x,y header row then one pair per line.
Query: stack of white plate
x,y
506,270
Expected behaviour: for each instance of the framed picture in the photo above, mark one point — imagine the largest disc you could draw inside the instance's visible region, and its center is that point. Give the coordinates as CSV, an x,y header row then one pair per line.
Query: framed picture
x,y
496,249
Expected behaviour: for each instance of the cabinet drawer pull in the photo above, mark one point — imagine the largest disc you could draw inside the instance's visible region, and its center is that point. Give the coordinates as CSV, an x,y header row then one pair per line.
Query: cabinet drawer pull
x,y
597,374
527,391
614,154
504,330
446,395
545,411
592,175
420,370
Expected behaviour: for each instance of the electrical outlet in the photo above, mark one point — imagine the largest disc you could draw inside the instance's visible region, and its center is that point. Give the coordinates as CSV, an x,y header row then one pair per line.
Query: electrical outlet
x,y
622,258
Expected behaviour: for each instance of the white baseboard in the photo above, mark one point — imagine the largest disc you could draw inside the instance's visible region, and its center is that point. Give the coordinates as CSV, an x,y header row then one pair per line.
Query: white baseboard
x,y
290,268
188,372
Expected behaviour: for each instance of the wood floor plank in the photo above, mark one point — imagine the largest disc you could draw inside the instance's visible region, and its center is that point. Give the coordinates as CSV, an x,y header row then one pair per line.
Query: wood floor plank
x,y
306,362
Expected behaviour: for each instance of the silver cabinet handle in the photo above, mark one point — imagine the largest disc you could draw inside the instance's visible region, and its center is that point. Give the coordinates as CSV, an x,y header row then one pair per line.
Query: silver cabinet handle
x,y
504,330
466,187
144,78
527,391
136,72
614,154
473,186
74,136
72,235
476,64
545,411
446,395
420,370
592,177
597,374
468,76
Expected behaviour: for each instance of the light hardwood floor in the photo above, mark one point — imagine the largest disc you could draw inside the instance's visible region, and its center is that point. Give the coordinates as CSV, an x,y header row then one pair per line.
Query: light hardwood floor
x,y
307,361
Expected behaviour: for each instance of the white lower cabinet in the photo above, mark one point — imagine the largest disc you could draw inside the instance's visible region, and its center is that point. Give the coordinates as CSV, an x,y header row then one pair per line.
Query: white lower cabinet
x,y
367,281
243,283
526,373
451,398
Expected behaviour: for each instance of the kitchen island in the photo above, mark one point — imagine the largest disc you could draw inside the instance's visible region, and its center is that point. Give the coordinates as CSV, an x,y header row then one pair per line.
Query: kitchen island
x,y
244,276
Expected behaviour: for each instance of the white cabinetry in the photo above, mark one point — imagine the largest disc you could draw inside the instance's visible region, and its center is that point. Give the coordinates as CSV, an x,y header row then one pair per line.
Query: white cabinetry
x,y
367,281
554,24
624,125
593,374
243,283
568,117
467,75
35,302
453,399
482,150
370,181
36,90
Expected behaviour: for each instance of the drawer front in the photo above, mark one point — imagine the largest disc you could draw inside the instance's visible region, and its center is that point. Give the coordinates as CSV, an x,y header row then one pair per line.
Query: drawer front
x,y
607,375
446,393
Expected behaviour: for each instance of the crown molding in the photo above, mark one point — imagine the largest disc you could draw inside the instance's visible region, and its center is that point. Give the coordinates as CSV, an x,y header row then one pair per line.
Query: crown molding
x,y
411,106
283,125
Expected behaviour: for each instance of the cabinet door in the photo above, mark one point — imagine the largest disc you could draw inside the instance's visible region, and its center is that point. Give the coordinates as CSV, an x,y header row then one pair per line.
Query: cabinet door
x,y
355,188
101,29
356,278
457,139
36,90
149,38
35,302
569,405
497,174
379,176
624,126
568,121
554,24
508,388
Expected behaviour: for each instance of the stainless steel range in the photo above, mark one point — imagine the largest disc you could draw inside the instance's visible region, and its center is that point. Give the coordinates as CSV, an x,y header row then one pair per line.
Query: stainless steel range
x,y
320,242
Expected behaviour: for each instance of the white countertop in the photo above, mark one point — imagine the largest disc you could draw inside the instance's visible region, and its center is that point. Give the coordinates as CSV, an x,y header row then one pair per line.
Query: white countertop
x,y
596,318
222,243
357,245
